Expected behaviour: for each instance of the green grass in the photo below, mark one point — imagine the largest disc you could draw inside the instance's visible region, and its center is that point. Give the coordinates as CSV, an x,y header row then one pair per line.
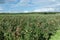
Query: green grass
x,y
56,36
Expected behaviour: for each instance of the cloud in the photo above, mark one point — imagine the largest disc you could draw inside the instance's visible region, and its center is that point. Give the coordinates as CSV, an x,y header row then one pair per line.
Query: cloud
x,y
53,5
1,8
10,0
35,5
26,11
28,3
21,3
44,10
52,0
10,11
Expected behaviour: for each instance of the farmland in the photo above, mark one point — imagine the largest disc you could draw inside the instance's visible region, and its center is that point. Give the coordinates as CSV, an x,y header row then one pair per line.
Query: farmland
x,y
29,26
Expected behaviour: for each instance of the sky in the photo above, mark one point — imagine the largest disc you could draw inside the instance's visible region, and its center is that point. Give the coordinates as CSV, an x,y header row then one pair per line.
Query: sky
x,y
29,6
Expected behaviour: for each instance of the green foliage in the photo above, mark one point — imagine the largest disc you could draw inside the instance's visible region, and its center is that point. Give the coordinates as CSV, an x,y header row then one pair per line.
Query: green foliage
x,y
56,36
28,27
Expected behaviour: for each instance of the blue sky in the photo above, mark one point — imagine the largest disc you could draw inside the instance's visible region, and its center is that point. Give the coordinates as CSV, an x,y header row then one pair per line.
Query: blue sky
x,y
29,5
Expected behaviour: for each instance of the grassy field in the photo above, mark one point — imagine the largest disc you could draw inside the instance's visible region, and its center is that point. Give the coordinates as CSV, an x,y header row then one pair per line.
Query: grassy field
x,y
29,26
56,36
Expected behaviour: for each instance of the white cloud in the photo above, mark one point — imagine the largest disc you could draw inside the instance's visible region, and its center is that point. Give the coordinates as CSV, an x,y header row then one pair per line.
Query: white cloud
x,y
1,8
53,5
44,10
10,11
26,11
21,3
34,2
10,0
52,0
15,11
